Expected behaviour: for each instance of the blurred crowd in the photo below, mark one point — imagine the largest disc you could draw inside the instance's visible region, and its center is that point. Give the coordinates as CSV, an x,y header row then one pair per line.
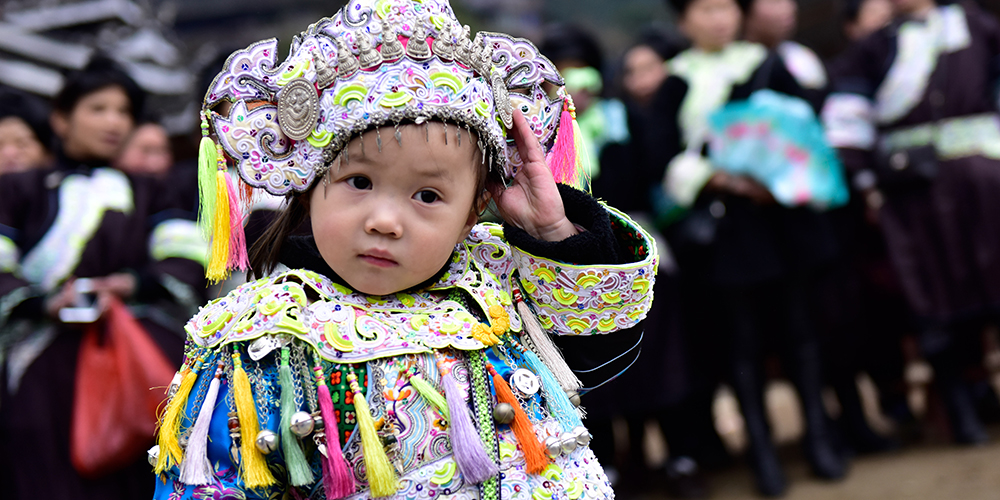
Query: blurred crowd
x,y
753,285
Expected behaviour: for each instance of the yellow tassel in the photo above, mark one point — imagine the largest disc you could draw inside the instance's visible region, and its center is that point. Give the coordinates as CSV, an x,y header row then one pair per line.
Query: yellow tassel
x,y
253,465
381,474
217,263
171,453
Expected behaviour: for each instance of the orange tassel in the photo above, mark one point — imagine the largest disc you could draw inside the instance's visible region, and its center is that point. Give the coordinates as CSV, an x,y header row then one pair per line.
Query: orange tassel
x,y
534,453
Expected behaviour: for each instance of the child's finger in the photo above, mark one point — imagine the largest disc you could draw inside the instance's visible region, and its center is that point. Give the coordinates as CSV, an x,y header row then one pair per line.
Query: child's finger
x,y
527,143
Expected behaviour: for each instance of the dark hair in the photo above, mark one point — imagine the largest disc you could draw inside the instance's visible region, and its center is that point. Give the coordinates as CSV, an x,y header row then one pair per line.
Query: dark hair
x,y
665,44
265,253
680,6
101,72
33,111
566,41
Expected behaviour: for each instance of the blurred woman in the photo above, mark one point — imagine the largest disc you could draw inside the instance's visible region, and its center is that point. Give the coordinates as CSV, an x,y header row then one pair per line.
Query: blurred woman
x,y
914,111
81,219
749,260
147,151
25,136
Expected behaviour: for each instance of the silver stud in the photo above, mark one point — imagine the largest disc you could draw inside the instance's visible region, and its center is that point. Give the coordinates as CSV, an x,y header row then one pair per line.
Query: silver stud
x,y
553,446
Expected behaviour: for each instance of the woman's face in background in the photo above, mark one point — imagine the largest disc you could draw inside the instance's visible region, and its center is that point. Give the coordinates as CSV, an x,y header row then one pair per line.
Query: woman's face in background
x,y
20,149
97,127
644,71
147,152
771,22
711,25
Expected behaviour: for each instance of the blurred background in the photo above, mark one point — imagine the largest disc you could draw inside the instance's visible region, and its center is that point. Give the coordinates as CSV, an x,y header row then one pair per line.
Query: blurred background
x,y
172,49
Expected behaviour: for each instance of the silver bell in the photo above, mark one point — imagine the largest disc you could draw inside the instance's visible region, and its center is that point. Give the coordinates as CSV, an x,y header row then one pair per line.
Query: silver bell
x,y
153,455
553,446
574,397
503,413
567,443
582,436
301,424
267,442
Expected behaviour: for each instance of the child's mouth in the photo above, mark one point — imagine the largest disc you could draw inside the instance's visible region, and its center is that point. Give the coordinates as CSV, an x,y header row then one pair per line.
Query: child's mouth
x,y
379,259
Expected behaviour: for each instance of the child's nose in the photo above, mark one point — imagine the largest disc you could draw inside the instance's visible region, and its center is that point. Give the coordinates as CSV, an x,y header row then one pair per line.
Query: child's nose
x,y
385,219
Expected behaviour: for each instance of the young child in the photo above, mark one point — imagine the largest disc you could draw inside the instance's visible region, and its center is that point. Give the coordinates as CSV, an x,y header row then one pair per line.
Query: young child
x,y
395,353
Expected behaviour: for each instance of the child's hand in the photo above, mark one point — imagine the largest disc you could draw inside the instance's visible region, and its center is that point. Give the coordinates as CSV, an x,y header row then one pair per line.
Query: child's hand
x,y
532,202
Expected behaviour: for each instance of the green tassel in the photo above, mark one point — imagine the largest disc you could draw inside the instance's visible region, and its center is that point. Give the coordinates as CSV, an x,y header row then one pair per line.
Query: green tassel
x,y
295,459
206,180
430,394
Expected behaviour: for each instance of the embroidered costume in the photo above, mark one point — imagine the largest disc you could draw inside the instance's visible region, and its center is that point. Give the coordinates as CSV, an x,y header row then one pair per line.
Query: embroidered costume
x,y
295,384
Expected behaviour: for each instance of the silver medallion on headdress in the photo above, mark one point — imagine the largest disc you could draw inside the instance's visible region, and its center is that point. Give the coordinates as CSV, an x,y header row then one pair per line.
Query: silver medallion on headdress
x,y
297,109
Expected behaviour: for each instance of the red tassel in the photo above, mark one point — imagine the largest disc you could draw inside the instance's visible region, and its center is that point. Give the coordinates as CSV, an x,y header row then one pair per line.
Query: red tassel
x,y
534,453
562,157
338,481
237,239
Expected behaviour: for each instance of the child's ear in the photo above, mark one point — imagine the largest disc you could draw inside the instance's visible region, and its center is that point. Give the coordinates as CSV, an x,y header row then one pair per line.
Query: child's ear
x,y
478,207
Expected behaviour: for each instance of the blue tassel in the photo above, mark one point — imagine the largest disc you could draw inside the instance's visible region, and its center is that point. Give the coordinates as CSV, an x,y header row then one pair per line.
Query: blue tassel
x,y
559,404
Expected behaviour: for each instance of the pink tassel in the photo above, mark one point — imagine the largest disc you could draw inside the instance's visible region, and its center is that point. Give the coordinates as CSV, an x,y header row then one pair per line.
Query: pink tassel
x,y
562,159
338,481
237,239
195,468
475,464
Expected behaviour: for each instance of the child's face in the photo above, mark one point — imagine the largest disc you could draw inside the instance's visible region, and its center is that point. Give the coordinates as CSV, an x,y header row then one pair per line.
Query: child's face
x,y
711,24
388,221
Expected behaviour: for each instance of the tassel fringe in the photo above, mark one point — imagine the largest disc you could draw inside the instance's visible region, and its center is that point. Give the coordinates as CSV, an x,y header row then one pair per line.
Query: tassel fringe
x,y
238,259
253,466
207,165
559,404
338,480
473,461
547,350
170,424
299,471
196,469
430,394
382,477
534,453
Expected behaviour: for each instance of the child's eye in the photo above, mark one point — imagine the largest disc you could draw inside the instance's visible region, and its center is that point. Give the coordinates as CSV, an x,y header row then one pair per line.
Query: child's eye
x,y
359,182
427,196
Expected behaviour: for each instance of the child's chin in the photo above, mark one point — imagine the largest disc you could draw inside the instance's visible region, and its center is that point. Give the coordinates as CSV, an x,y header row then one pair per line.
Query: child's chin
x,y
371,288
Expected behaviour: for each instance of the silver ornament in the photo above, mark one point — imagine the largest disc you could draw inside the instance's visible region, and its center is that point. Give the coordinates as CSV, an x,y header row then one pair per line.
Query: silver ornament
x,y
574,397
567,443
267,442
582,436
301,424
525,382
153,455
297,103
503,413
553,446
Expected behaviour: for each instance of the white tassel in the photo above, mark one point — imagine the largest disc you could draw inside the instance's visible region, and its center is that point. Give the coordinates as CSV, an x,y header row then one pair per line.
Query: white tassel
x,y
547,351
195,468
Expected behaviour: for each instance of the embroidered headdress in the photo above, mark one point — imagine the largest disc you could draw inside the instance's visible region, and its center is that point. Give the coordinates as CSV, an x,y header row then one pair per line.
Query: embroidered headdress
x,y
374,64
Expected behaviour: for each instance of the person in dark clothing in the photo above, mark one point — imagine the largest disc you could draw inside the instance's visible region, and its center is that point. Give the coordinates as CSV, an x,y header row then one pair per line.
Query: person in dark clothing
x,y
921,92
750,260
82,219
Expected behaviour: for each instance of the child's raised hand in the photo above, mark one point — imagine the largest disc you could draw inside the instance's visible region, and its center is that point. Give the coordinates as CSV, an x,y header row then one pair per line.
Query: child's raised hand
x,y
532,202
